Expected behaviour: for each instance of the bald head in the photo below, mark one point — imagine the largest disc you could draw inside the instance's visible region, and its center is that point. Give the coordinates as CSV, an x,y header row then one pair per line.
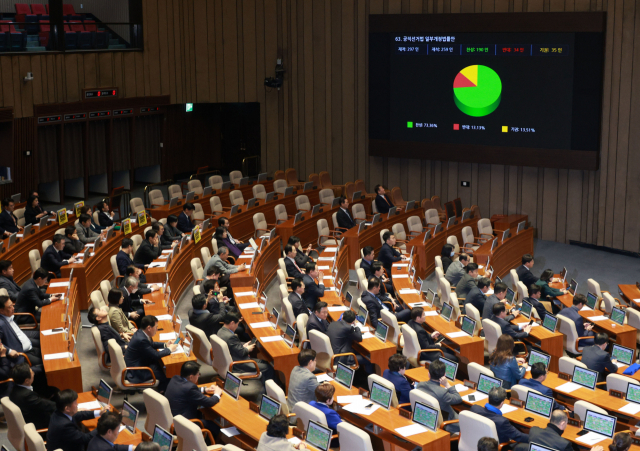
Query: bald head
x,y
559,419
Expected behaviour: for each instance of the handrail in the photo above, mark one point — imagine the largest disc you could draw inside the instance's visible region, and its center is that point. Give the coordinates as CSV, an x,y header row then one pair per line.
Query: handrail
x,y
245,165
146,190
212,172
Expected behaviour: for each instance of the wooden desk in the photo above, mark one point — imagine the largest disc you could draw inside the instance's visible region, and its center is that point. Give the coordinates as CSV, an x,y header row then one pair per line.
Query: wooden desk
x,y
631,294
508,222
61,373
549,342
124,437
425,253
506,255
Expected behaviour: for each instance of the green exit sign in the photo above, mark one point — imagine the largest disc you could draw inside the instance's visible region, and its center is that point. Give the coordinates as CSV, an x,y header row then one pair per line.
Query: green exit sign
x,y
189,107
409,124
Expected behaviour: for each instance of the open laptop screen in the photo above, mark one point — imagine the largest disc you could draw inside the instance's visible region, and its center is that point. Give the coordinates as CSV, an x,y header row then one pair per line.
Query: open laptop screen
x,y
486,383
269,408
344,375
381,395
318,435
163,438
425,415
599,423
537,356
540,404
584,377
232,385
622,354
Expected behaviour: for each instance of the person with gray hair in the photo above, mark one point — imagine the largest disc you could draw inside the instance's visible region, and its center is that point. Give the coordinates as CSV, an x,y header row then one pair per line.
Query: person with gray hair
x,y
132,304
484,444
550,436
220,261
491,410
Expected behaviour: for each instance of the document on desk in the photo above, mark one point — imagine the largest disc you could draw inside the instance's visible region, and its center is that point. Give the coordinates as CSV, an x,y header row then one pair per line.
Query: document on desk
x,y
461,388
586,309
632,408
295,441
230,432
249,305
244,256
261,324
401,276
158,265
270,339
51,332
164,317
168,336
244,293
178,350
327,278
58,284
329,288
326,259
620,365
19,235
598,318
348,398
568,387
320,268
367,335
413,429
489,292
167,251
330,249
360,407
324,378
457,334
591,438
478,395
408,291
93,405
525,324
59,355
506,408
338,309
400,265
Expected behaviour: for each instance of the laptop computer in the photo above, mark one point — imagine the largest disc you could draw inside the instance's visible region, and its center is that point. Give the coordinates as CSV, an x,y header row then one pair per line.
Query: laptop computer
x,y
381,331
269,407
251,203
618,315
275,317
232,385
262,177
505,235
226,186
270,196
466,215
12,240
486,383
288,191
392,212
585,377
104,393
173,202
427,235
335,202
43,222
526,308
591,300
451,221
599,423
446,311
361,227
537,447
573,286
539,404
521,226
344,375
206,224
315,210
451,368
468,325
234,210
510,296
308,186
190,196
289,336
163,438
244,181
381,395
129,417
494,245
438,228
410,205
622,354
297,218
318,435
26,231
633,393
550,322
362,315
356,196
425,415
539,357
207,190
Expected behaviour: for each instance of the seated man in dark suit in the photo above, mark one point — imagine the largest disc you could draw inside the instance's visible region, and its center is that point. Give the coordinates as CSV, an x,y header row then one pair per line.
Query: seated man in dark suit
x,y
202,318
15,339
597,359
313,286
6,279
499,293
491,410
367,261
123,259
184,219
524,271
295,298
142,351
344,218
8,220
375,304
32,296
477,295
425,339
65,428
148,250
500,318
573,313
395,375
165,243
388,255
293,270
383,203
240,351
105,218
35,409
107,433
538,376
100,317
171,231
55,257
318,319
186,398
468,281
302,255
132,305
72,245
534,299
551,436
342,334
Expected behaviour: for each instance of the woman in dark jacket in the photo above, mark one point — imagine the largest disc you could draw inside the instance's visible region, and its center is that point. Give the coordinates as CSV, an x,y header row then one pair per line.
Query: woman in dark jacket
x,y
447,256
171,232
543,283
33,212
223,240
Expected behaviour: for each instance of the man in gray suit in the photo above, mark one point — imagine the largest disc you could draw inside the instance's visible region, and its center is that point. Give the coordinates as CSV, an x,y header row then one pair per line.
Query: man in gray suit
x,y
499,293
439,387
303,383
455,271
468,281
341,334
83,227
240,351
220,262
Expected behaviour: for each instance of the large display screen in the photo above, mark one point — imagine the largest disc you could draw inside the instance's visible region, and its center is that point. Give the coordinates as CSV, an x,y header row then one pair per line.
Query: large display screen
x,y
462,90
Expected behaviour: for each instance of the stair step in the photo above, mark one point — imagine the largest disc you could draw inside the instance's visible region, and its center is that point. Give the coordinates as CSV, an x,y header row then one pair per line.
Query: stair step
x,y
114,42
117,46
35,49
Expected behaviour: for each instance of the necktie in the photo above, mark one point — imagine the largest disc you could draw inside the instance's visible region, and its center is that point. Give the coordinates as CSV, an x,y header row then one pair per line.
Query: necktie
x,y
385,199
296,265
381,304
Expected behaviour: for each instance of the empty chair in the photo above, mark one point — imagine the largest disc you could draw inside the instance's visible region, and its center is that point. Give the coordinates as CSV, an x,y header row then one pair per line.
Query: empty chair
x,y
360,186
275,392
174,191
359,213
215,182
633,319
260,225
349,190
326,196
608,302
280,186
315,178
485,230
190,436
278,175
34,259
281,213
326,237
235,177
325,183
302,203
236,197
472,427
469,241
492,332
594,287
195,186
353,438
291,176
475,370
259,192
567,364
198,214
197,270
206,255
15,423
136,205
414,226
382,232
396,196
216,206
432,217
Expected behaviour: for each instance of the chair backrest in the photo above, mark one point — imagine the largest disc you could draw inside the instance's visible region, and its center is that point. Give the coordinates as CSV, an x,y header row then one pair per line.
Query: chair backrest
x,y
473,426
323,229
114,266
221,356
215,182
522,391
174,191
280,186
633,319
259,192
195,185
198,212
34,259
315,178
281,212
46,244
414,224
305,412
158,410
580,408
260,222
431,216
278,175
15,423
444,289
196,268
354,438
382,232
475,370
156,197
436,203
594,287
484,227
608,302
282,266
105,287
325,179
374,208
399,232
360,186
189,435
19,214
619,382
321,344
453,301
467,235
439,264
230,447
475,315
358,211
206,255
282,277
514,283
97,341
425,398
569,333
349,190
291,176
394,329
195,289
235,177
411,345
96,299
301,325
396,195
302,202
136,205
567,364
33,438
492,332
524,293
275,392
288,311
201,345
117,363
216,205
137,241
385,383
453,240
236,197
326,196
334,219
362,280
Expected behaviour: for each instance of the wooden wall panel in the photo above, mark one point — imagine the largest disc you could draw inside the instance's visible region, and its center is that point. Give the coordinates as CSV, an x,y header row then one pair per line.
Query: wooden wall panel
x,y
221,51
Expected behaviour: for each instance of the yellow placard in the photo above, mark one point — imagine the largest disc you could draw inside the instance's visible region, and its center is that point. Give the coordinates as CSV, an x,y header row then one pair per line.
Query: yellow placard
x,y
142,218
77,206
62,216
126,226
196,234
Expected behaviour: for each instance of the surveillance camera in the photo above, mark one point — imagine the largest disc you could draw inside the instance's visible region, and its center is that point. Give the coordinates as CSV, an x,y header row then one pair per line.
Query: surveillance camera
x,y
29,76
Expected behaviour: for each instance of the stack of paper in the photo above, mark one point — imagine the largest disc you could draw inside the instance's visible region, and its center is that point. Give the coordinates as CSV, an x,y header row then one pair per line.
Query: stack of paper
x,y
401,276
408,291
321,268
244,293
585,309
338,309
322,259
349,399
413,429
568,387
269,339
230,432
506,408
168,336
367,335
58,284
400,265
178,350
591,438
260,325
158,265
330,249
461,388
456,334
163,317
324,378
59,355
51,332
249,305
360,407
598,318
632,408
93,405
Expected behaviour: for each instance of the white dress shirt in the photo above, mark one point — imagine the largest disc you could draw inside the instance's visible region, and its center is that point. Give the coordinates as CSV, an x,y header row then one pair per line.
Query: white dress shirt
x,y
26,343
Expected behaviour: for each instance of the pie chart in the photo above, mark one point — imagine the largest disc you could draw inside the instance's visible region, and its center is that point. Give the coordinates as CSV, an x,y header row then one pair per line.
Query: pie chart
x,y
477,90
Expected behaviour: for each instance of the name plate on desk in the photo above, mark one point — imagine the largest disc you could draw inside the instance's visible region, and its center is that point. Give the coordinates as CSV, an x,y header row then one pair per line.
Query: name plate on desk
x,y
404,413
469,384
516,402
565,376
574,422
364,393
616,394
297,432
253,406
